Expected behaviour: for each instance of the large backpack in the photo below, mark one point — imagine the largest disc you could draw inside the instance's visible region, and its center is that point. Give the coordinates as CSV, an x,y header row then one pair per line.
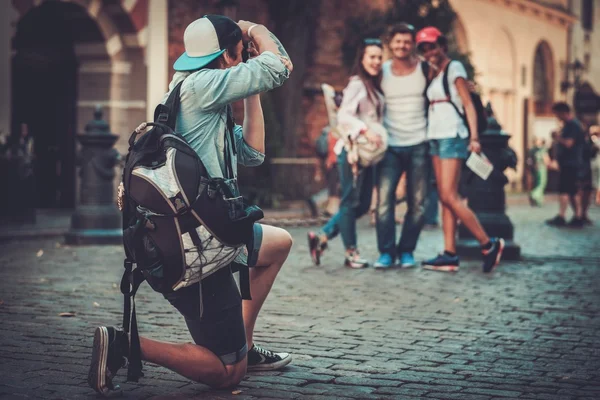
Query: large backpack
x,y
179,224
476,100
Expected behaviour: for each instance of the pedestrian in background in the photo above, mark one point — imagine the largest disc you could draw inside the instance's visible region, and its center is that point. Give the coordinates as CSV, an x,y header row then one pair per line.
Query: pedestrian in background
x,y
362,106
452,133
569,147
538,161
588,180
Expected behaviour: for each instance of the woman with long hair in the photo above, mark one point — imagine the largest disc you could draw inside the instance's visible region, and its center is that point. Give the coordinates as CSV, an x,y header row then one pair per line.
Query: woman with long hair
x,y
452,133
362,105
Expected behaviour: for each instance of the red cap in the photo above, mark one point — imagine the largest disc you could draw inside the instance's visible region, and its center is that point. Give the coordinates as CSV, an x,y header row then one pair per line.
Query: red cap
x,y
429,34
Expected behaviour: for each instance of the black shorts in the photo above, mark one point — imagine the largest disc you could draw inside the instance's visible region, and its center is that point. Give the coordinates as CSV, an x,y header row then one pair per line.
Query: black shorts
x,y
221,328
568,180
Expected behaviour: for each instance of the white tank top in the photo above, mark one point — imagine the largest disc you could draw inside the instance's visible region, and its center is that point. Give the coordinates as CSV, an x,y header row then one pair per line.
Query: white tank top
x,y
404,116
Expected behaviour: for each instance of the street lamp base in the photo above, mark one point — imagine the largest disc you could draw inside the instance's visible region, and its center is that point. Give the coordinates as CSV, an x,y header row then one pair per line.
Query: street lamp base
x,y
470,248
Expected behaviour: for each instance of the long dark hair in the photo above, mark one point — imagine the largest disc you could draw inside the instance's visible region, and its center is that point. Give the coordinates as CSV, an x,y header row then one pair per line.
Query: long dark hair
x,y
372,83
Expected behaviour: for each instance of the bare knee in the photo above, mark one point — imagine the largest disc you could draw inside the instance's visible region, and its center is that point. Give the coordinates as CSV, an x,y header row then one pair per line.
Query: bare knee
x,y
284,242
231,376
449,199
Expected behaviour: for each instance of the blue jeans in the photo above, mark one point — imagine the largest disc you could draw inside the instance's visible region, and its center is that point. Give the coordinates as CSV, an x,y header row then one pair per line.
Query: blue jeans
x,y
415,161
354,203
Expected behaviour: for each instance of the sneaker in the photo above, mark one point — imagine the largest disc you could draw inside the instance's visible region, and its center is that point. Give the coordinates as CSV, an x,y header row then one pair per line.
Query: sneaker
x,y
407,260
109,354
556,221
576,222
353,260
492,256
443,262
587,221
260,359
316,247
385,261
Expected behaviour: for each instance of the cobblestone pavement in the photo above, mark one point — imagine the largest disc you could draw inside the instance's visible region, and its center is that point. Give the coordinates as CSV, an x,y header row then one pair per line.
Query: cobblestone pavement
x,y
530,330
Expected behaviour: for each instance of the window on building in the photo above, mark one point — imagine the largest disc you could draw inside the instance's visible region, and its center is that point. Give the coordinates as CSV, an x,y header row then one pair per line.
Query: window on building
x,y
587,14
543,78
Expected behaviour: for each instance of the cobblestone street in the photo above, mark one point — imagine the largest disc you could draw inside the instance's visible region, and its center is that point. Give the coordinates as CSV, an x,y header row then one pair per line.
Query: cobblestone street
x,y
530,330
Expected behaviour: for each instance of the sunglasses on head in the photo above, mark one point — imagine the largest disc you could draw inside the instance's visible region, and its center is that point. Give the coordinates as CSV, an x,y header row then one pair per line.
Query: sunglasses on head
x,y
372,41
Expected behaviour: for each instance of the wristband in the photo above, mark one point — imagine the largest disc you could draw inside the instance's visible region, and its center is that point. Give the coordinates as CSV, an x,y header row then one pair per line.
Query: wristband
x,y
250,30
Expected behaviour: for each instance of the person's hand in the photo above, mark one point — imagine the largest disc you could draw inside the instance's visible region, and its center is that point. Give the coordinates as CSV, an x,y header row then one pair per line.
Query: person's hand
x,y
244,26
252,50
474,146
373,138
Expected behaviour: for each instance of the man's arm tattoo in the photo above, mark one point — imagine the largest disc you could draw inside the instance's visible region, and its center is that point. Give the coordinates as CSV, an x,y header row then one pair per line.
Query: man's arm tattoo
x,y
280,48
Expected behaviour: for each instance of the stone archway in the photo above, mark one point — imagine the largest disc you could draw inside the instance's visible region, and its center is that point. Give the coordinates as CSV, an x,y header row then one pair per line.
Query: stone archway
x,y
543,79
95,46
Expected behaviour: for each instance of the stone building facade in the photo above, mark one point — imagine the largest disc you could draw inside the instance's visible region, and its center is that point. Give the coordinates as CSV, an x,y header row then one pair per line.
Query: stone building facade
x,y
118,54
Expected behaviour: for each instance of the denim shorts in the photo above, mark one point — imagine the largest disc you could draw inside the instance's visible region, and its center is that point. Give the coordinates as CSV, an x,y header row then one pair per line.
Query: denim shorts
x,y
221,327
455,147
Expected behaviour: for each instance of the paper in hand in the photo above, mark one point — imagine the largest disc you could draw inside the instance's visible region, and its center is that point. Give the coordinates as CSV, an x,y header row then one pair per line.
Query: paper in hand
x,y
480,164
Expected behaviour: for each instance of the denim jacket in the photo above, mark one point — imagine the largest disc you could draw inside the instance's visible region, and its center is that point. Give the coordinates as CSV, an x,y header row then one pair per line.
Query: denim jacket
x,y
205,96
357,111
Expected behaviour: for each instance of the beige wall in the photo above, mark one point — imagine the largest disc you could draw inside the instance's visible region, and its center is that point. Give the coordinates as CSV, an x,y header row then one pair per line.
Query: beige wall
x,y
502,38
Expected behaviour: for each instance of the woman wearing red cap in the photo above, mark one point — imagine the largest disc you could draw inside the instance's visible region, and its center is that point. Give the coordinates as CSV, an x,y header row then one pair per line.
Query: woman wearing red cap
x,y
452,133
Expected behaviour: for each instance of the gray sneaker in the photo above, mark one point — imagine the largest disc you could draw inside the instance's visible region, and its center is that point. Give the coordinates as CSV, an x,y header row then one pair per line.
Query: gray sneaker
x,y
354,261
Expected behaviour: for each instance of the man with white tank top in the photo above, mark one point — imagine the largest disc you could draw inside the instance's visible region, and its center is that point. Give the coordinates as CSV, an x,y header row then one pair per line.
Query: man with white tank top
x,y
403,83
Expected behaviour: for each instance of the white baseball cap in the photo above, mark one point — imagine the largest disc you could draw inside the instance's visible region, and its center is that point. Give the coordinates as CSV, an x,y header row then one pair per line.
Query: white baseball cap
x,y
205,39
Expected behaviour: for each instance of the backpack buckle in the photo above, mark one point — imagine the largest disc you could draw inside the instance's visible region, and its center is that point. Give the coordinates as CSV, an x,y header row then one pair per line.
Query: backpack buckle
x,y
163,117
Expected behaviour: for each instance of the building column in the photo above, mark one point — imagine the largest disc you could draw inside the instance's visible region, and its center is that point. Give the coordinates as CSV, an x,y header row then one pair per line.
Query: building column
x,y
6,34
157,54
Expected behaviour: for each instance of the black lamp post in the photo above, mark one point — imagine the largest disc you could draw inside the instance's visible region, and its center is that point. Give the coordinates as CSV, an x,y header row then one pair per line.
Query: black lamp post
x,y
576,68
487,198
96,219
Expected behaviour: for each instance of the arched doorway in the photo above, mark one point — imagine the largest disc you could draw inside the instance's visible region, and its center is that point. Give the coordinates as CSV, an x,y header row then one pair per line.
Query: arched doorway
x,y
543,79
45,92
543,122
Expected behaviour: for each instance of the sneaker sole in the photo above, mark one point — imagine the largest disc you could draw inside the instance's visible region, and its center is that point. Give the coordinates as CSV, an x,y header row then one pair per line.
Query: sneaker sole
x,y
442,268
272,366
97,372
355,266
499,256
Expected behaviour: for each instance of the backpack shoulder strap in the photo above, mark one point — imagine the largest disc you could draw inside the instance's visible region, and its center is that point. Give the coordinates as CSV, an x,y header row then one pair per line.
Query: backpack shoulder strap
x,y
445,81
167,113
425,68
446,85
230,126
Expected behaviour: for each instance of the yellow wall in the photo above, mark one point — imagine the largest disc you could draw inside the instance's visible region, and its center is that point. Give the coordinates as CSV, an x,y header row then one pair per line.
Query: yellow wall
x,y
502,37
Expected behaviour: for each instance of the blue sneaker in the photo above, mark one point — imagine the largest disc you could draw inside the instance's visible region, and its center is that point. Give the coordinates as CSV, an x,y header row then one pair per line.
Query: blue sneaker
x,y
385,261
407,260
442,262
